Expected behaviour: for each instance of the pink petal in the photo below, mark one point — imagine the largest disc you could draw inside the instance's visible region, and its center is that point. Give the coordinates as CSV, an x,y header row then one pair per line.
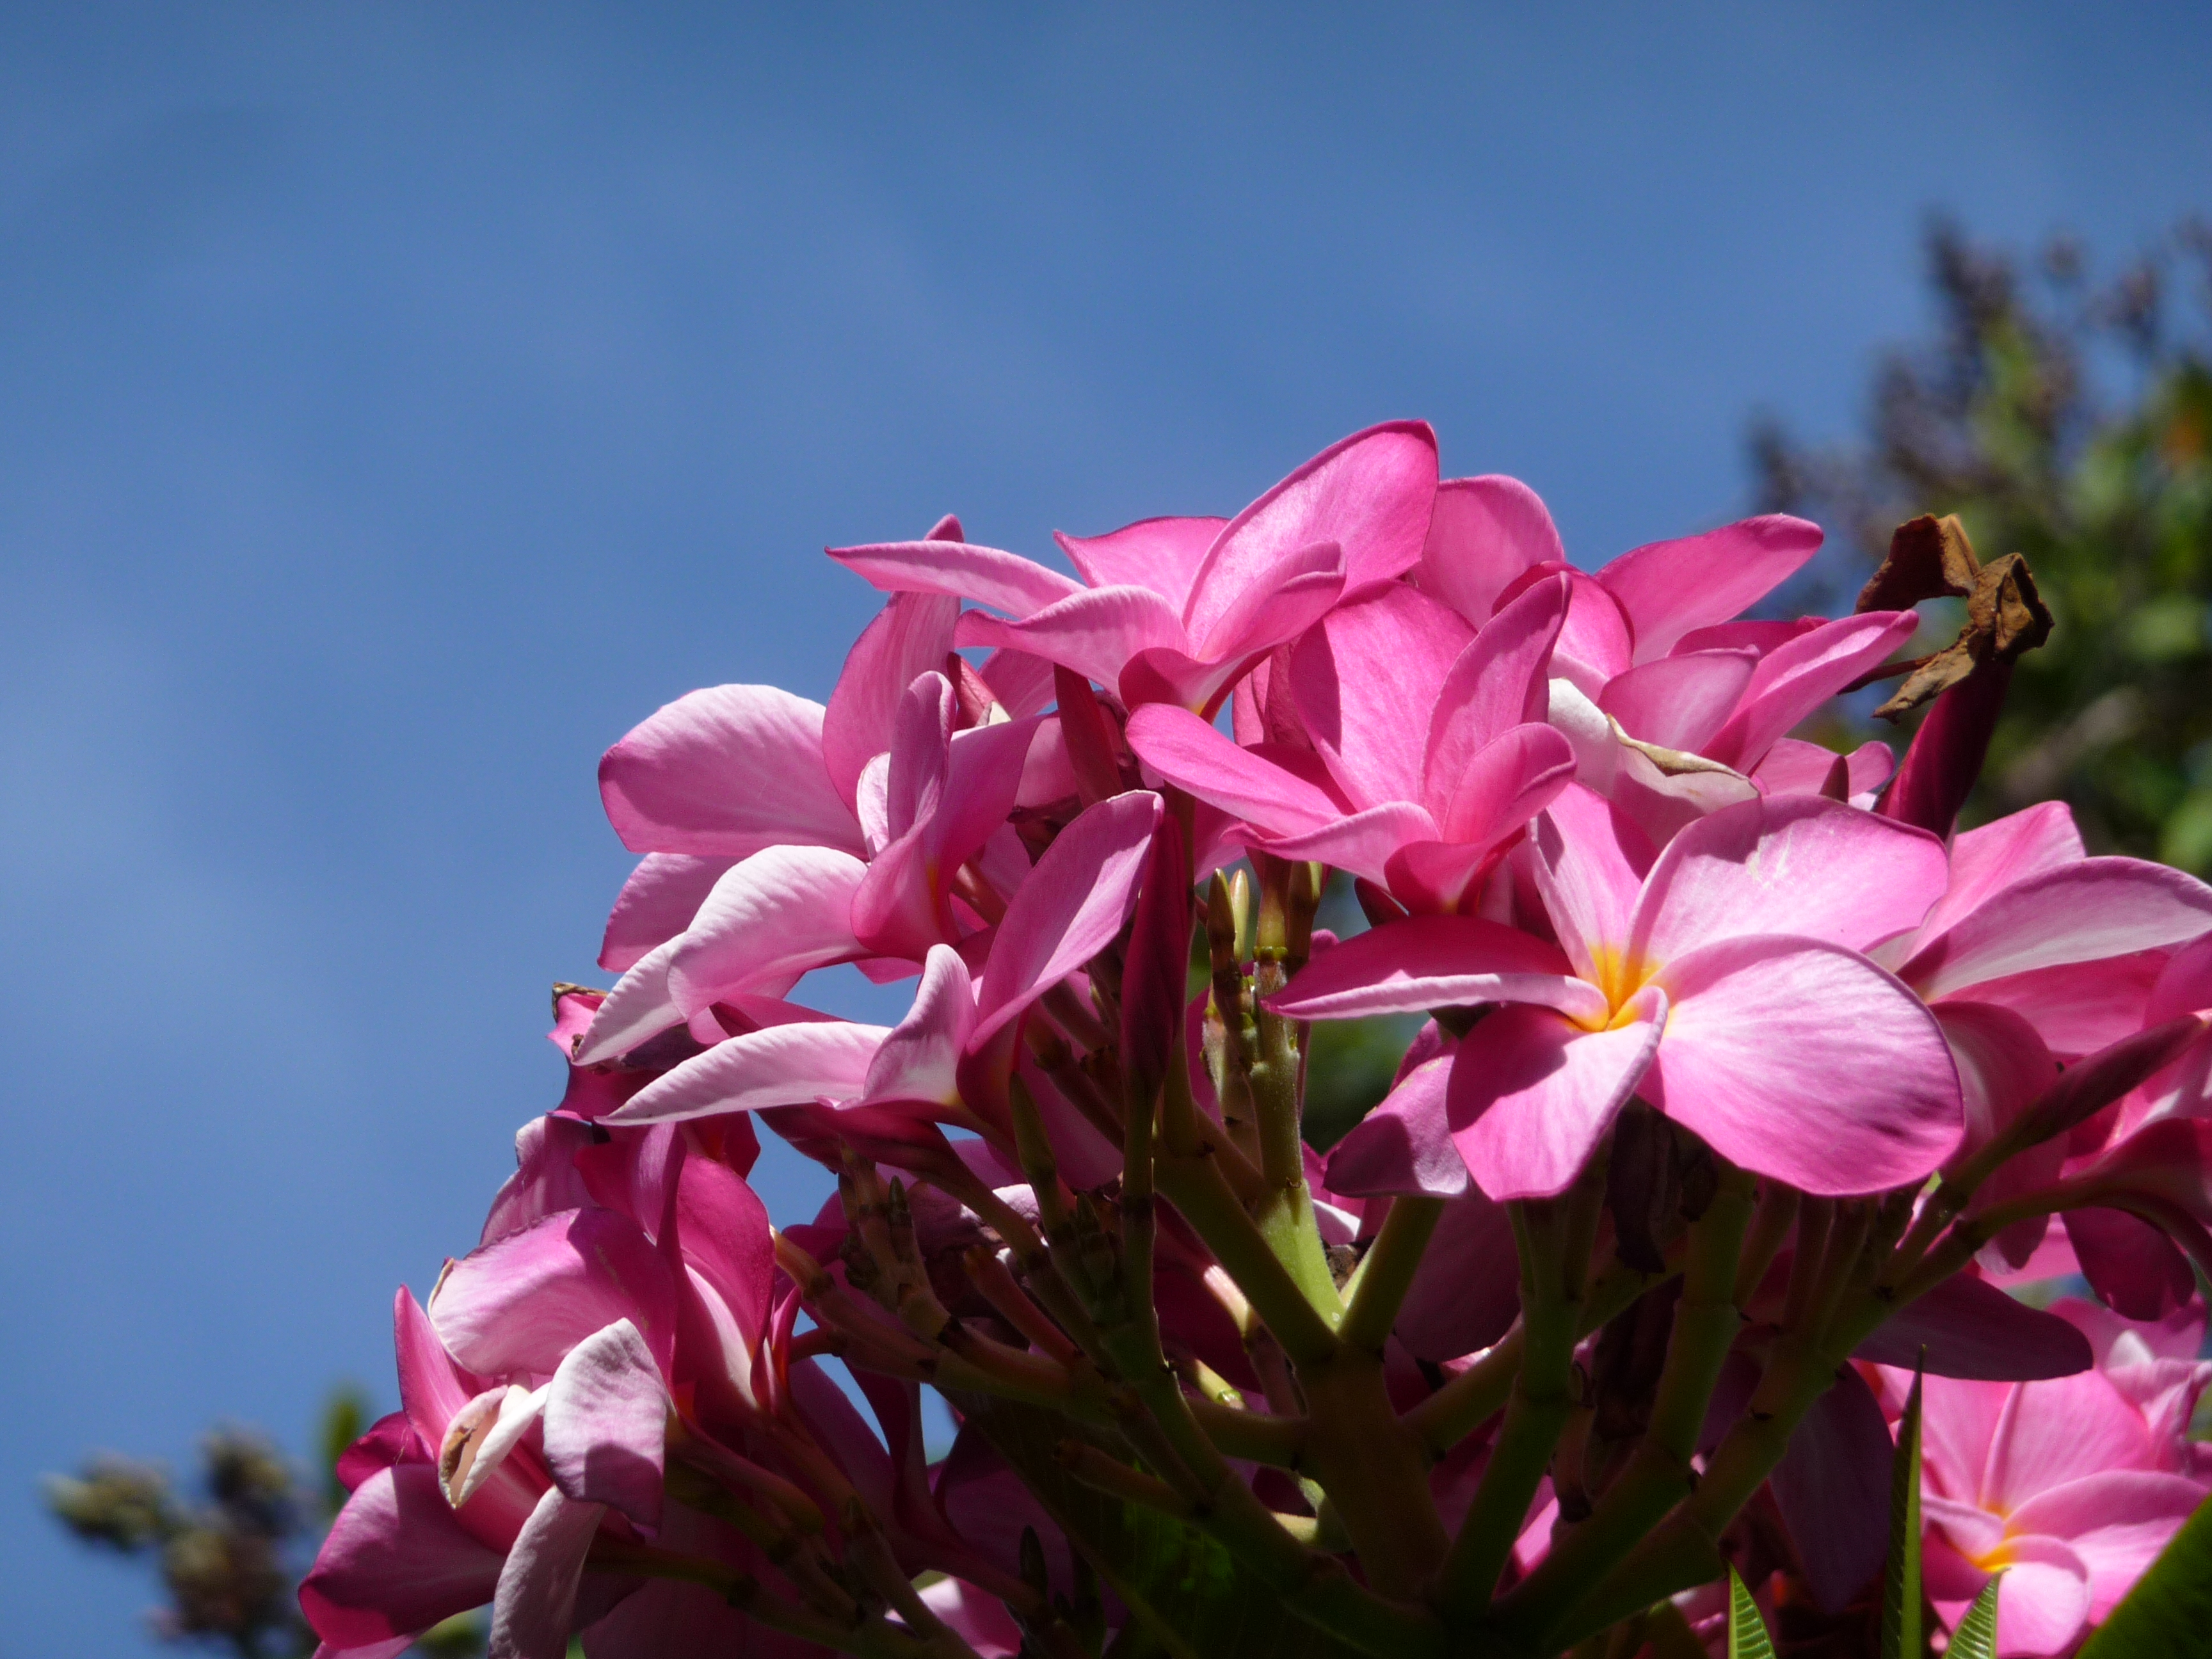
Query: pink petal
x,y
1364,842
545,1177
724,1230
657,904
911,635
771,919
1668,588
1095,631
2185,987
1506,782
982,1620
2117,1521
2074,912
1403,1146
1434,962
535,1602
1788,864
2045,1597
1987,860
1679,701
1795,679
2055,1432
1460,1302
1795,767
1005,582
782,1066
433,1385
606,1424
1022,683
2129,1262
1832,1486
1756,634
724,772
395,1563
1070,909
1583,857
517,1306
1371,495
1483,533
1497,682
1596,642
1193,755
638,1008
1285,600
1161,554
1806,1062
1970,1328
1531,1093
919,1058
2080,1007
1359,676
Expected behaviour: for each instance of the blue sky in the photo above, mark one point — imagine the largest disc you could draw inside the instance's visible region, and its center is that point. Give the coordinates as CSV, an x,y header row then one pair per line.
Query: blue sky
x,y
398,402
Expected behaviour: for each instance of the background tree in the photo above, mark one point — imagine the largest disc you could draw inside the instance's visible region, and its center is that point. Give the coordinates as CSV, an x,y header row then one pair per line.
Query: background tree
x,y
2068,419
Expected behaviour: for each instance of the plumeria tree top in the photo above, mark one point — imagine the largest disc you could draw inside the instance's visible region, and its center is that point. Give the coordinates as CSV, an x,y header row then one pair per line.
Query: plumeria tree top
x,y
1742,1079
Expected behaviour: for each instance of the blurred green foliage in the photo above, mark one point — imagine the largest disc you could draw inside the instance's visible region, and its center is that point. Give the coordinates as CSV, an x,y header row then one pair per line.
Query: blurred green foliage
x,y
2068,419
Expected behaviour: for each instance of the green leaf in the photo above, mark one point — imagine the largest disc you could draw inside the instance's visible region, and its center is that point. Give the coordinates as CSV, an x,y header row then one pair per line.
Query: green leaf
x,y
2170,1609
1900,1583
1192,1598
1748,1637
1977,1635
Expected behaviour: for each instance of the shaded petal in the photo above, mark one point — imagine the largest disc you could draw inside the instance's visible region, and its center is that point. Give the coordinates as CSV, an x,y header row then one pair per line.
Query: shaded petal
x,y
1970,1328
1161,554
1800,864
1070,909
2116,1522
517,1306
1795,679
782,1066
2084,911
1670,587
1679,701
657,904
724,772
1507,782
606,1424
1499,681
1807,1063
1795,767
1363,842
1005,582
771,919
1434,962
1483,533
1832,1485
1460,1302
919,1059
1531,1093
1370,494
911,635
535,1602
1403,1146
2078,1008
1095,631
1291,595
395,1563
1189,753
1365,678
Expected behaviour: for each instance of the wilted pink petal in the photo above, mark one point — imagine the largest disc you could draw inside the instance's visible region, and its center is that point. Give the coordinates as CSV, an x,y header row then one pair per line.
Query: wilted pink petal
x,y
1668,588
723,772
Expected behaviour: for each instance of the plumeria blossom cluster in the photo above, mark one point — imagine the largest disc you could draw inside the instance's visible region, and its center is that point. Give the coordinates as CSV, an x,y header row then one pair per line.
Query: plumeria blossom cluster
x,y
1741,1081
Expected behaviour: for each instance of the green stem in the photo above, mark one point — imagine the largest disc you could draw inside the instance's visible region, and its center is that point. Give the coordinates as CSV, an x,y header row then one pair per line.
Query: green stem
x,y
1378,1288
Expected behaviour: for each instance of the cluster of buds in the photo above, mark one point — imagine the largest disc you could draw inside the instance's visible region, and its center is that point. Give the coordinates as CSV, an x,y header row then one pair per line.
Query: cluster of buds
x,y
1742,1077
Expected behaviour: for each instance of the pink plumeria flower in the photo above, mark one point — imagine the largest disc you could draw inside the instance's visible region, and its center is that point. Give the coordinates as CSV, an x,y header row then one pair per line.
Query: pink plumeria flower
x,y
1179,610
1725,986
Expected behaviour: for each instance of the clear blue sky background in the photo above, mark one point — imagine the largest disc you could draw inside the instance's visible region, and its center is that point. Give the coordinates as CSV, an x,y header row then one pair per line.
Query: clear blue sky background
x,y
396,402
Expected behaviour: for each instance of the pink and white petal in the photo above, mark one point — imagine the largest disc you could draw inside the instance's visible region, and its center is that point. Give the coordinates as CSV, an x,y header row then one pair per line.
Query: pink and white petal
x,y
919,1058
2116,1522
1363,843
1370,494
1501,680
1505,783
1531,1093
768,920
1405,1145
657,904
639,1008
1483,533
606,1424
1161,554
724,772
2060,1430
1360,675
396,1561
782,1065
2084,911
1670,587
1193,755
1005,582
535,1601
1679,701
2044,1599
1584,858
1074,903
1797,678
1800,864
1802,1060
911,635
480,1436
517,1306
1094,631
1985,862
1435,961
